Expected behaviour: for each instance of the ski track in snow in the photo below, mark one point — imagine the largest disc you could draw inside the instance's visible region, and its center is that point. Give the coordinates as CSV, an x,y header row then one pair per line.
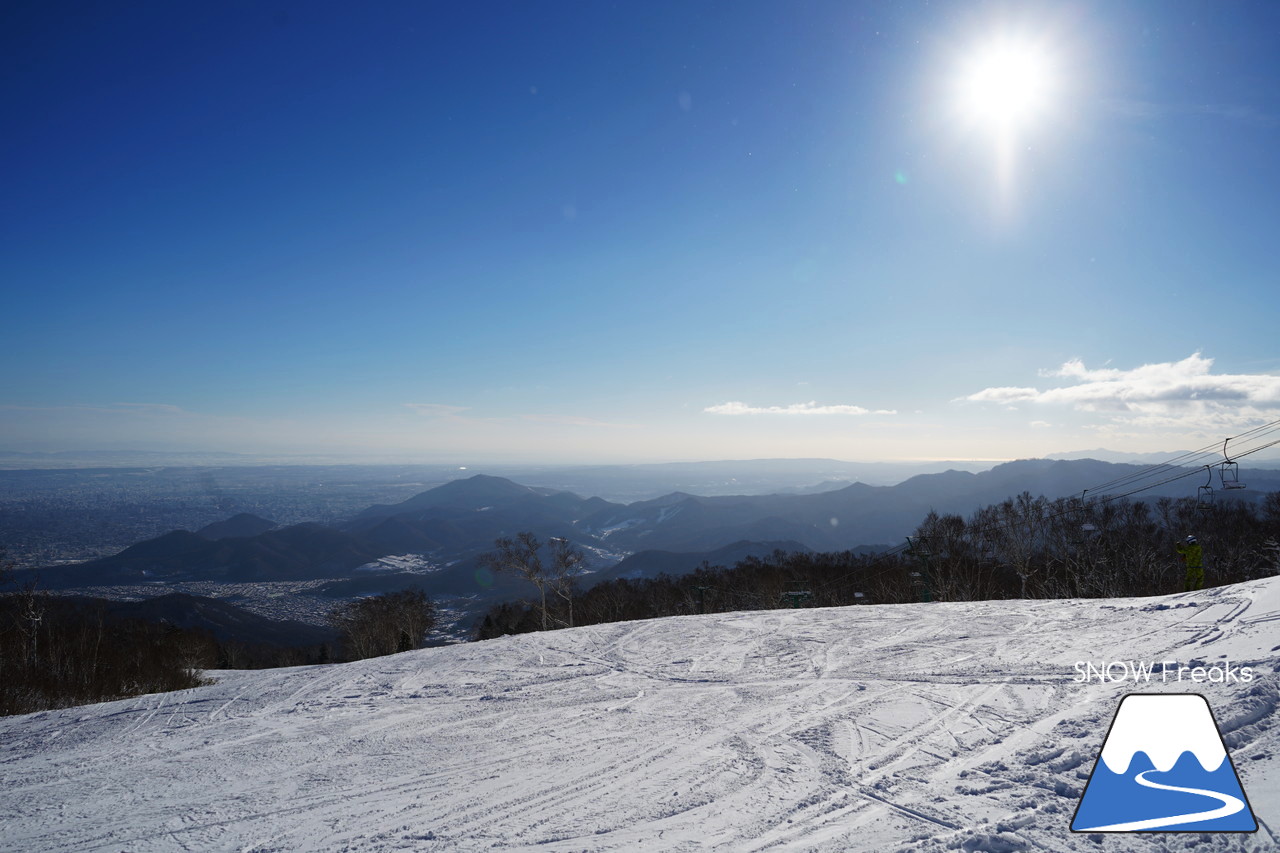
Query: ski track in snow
x,y
912,727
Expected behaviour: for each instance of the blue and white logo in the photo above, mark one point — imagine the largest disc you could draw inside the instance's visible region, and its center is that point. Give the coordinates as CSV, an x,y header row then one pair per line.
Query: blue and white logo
x,y
1164,768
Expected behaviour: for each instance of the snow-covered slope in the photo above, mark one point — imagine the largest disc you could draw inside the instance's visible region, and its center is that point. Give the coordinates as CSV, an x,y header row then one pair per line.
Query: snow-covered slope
x,y
917,727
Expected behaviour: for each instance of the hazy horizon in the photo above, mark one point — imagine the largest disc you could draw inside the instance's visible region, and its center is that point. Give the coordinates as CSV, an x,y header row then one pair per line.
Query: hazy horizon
x,y
127,457
418,458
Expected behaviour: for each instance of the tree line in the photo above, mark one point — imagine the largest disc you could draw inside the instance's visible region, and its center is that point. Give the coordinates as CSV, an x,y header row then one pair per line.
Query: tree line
x,y
57,652
60,651
1023,547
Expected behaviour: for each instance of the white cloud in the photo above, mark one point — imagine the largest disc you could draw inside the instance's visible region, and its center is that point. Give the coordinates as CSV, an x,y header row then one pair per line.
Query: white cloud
x,y
1041,424
810,408
1179,393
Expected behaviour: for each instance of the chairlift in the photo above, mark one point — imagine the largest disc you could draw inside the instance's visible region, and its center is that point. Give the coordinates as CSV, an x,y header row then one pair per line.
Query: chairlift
x,y
921,585
919,547
1229,472
1204,494
1087,528
797,594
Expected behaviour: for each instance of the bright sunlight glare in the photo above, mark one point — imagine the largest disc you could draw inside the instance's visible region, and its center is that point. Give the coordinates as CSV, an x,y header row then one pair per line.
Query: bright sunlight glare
x,y
1006,83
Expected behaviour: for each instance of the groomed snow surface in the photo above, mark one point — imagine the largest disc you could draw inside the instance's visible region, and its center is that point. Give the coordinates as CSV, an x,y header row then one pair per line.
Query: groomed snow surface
x,y
912,727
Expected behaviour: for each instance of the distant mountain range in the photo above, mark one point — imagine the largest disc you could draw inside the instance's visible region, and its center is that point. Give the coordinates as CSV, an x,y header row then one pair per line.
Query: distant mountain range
x,y
859,514
626,483
457,522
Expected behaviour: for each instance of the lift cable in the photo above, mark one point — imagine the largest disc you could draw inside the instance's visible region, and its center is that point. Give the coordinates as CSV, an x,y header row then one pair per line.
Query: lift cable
x,y
1085,505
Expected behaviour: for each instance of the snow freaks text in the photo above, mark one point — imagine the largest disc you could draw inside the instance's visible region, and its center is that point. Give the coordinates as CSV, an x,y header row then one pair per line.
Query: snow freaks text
x,y
1165,672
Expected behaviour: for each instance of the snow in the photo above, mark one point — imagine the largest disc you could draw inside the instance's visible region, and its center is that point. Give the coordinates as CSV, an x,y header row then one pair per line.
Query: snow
x,y
923,727
606,532
420,564
667,512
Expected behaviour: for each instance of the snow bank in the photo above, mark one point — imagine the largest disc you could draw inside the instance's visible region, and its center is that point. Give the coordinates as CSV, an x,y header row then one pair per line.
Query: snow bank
x,y
918,727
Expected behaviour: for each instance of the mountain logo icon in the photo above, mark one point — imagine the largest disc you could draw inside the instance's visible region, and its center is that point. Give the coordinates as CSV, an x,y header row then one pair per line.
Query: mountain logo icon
x,y
1164,768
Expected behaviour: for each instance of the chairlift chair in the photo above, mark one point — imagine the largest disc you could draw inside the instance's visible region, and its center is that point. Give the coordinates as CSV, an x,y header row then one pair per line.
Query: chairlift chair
x,y
1204,494
1088,531
1228,471
797,594
1081,515
1229,474
921,585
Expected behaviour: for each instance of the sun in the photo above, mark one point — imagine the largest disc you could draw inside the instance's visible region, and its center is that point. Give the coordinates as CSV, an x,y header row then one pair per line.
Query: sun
x,y
1007,94
1006,84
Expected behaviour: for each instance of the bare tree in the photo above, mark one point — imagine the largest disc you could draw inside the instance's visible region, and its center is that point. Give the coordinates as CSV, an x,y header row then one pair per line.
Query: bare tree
x,y
522,557
31,606
1270,555
955,555
566,565
384,624
519,557
1020,535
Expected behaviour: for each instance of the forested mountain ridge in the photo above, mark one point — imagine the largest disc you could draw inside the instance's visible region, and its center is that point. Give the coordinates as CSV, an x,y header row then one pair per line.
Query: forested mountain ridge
x,y
459,520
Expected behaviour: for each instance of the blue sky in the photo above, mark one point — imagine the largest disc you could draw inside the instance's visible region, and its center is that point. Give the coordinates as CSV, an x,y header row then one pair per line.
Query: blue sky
x,y
636,231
